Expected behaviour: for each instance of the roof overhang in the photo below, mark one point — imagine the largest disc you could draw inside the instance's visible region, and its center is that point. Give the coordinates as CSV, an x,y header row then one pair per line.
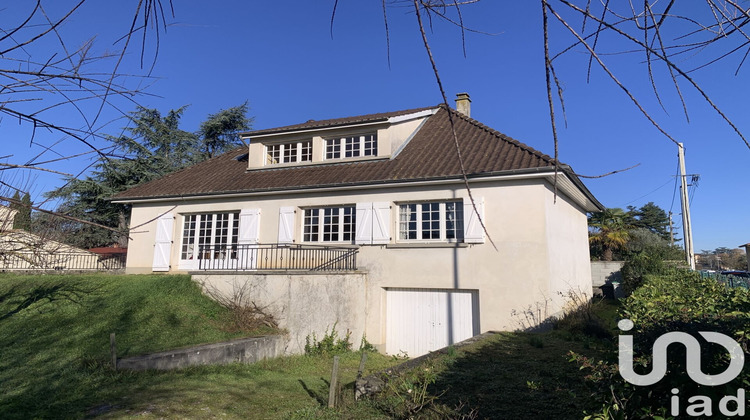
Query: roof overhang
x,y
566,181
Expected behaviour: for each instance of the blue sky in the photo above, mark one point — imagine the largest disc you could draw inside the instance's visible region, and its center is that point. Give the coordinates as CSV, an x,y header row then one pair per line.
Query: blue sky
x,y
280,57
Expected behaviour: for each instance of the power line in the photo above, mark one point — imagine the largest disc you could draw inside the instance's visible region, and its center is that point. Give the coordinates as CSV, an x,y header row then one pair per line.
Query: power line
x,y
646,195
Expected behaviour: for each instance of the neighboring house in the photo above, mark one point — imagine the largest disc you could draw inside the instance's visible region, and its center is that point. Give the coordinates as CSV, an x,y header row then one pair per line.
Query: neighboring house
x,y
26,251
387,189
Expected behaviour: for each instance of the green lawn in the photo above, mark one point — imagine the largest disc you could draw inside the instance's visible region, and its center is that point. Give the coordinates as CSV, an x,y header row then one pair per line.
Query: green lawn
x,y
54,339
507,376
55,355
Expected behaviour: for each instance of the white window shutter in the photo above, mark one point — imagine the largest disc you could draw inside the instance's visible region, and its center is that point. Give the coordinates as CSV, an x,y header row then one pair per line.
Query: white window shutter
x,y
381,223
163,242
286,225
363,234
473,232
249,226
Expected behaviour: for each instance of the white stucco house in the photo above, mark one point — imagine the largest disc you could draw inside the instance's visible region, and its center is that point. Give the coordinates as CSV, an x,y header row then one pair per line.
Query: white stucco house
x,y
366,222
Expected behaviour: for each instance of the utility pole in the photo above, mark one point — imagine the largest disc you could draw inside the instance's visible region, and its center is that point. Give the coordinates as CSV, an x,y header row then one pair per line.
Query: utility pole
x,y
671,229
687,230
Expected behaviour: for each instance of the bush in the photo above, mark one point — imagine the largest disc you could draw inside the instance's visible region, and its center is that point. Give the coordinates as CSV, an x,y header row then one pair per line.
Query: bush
x,y
679,300
329,344
581,317
656,261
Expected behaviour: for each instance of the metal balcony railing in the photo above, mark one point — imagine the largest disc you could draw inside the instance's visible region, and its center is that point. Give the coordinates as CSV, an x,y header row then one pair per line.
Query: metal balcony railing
x,y
277,257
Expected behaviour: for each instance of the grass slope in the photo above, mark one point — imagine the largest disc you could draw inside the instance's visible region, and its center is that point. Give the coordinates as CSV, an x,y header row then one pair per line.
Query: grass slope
x,y
54,339
54,334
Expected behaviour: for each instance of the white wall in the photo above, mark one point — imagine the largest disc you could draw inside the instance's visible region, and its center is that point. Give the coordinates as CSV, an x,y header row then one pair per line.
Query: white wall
x,y
303,304
542,247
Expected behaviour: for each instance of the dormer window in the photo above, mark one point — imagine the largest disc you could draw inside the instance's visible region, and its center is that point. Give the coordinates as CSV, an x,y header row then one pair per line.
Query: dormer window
x,y
300,151
353,146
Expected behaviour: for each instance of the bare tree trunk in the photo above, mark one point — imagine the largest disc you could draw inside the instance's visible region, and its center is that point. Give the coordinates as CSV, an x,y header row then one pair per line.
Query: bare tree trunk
x,y
122,226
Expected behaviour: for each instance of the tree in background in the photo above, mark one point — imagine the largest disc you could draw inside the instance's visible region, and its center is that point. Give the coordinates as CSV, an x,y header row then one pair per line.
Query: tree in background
x,y
647,230
650,217
220,131
609,232
723,258
154,146
23,204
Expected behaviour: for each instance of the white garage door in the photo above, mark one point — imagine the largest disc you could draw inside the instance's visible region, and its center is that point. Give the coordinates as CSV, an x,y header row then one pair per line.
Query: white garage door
x,y
423,320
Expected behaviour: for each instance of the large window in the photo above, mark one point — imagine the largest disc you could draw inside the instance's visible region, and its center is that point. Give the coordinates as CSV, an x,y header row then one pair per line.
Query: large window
x,y
288,152
433,221
210,236
352,146
329,224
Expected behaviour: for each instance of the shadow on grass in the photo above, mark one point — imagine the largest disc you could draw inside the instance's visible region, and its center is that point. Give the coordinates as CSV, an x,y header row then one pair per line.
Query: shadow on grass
x,y
321,399
518,375
54,337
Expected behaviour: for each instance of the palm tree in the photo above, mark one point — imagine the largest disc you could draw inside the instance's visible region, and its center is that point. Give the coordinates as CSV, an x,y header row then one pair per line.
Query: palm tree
x,y
609,230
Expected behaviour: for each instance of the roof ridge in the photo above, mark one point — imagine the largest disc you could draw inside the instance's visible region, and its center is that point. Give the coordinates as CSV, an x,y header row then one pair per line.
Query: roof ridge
x,y
339,121
501,136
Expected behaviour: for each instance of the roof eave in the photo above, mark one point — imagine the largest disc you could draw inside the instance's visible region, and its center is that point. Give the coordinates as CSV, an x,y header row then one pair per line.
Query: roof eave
x,y
584,197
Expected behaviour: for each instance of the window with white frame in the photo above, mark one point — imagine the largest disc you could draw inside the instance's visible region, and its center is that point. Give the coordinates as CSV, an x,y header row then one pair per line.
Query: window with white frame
x,y
431,221
329,224
352,146
300,151
333,148
210,236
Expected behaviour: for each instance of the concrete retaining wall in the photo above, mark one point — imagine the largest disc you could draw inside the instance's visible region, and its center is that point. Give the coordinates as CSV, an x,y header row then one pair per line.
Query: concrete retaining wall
x,y
246,350
303,303
603,272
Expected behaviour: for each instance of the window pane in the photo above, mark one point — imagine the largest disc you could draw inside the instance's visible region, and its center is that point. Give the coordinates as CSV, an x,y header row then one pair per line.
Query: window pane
x,y
407,223
273,154
431,221
352,146
370,145
235,233
290,152
311,227
221,235
306,153
329,224
350,222
204,235
333,148
188,238
454,220
210,235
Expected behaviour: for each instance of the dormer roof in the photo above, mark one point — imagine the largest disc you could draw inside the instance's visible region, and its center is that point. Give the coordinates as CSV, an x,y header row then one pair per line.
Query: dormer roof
x,y
429,155
336,122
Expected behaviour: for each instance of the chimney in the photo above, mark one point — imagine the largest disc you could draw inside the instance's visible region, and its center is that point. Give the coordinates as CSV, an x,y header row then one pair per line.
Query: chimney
x,y
463,104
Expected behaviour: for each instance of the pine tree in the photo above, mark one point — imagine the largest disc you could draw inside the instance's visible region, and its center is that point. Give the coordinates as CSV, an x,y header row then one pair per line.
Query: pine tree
x,y
23,217
153,147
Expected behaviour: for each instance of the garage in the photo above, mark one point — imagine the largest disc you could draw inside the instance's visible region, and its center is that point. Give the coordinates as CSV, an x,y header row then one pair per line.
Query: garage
x,y
422,320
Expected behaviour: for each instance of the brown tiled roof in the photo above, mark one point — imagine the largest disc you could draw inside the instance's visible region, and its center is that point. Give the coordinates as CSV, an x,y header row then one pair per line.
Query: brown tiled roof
x,y
336,122
431,154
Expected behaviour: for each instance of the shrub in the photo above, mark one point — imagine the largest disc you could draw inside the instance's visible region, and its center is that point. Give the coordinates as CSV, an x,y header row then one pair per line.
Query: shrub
x,y
679,300
650,261
581,317
243,314
329,344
